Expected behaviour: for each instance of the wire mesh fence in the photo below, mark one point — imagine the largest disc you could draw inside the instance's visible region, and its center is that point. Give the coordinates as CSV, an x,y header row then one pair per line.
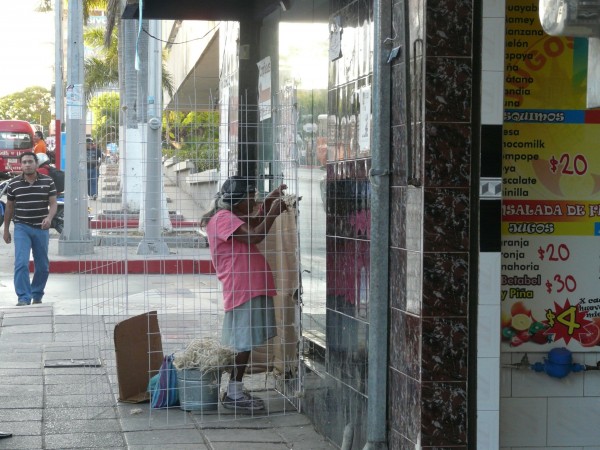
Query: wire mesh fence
x,y
139,306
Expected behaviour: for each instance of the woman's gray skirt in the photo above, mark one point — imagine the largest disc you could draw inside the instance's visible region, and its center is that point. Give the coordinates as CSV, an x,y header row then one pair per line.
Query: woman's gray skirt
x,y
250,324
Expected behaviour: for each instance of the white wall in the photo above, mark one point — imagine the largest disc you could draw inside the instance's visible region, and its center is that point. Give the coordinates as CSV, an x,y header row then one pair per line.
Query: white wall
x,y
488,333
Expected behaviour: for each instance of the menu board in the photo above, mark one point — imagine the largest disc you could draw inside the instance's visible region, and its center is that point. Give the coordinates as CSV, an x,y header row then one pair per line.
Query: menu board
x,y
550,266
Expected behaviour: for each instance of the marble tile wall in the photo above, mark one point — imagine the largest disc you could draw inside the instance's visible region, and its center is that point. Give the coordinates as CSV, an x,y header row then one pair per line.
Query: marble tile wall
x,y
430,237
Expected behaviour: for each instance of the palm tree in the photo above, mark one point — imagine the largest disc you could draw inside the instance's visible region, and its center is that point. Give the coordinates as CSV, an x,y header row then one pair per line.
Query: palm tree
x,y
102,70
115,63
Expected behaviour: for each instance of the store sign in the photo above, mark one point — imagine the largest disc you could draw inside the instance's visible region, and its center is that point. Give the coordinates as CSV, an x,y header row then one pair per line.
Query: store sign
x,y
264,88
550,191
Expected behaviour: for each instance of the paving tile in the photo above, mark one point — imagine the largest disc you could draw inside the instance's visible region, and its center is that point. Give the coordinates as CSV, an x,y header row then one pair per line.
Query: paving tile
x,y
22,401
301,434
28,337
145,424
65,379
87,440
20,414
88,371
33,328
62,426
22,389
54,414
69,337
165,437
21,442
171,447
10,321
20,379
23,365
77,401
22,357
22,427
267,435
249,446
78,389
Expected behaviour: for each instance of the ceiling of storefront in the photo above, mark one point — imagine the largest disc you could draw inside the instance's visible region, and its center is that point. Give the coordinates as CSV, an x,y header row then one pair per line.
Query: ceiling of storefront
x,y
202,83
203,9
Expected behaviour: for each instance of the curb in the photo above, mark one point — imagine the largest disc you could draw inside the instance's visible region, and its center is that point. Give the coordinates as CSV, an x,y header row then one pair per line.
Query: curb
x,y
147,267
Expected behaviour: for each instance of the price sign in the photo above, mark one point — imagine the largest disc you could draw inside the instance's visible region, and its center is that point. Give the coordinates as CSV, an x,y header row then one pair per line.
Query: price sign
x,y
550,192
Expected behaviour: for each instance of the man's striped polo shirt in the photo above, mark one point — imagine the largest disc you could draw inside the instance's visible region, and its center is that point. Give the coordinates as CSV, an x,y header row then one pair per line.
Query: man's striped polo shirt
x,y
30,200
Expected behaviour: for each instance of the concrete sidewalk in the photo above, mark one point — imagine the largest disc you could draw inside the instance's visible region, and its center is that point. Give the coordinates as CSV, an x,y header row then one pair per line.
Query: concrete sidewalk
x,y
49,402
50,407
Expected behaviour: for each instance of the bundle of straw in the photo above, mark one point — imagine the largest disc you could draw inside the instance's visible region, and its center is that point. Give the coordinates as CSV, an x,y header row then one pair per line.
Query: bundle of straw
x,y
204,354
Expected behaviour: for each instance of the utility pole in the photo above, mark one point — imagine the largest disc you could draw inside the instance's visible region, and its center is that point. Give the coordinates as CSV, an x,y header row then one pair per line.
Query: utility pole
x,y
75,238
153,242
58,81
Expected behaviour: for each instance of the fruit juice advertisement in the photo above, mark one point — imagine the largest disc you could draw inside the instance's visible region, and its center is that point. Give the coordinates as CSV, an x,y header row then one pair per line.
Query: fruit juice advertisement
x,y
550,191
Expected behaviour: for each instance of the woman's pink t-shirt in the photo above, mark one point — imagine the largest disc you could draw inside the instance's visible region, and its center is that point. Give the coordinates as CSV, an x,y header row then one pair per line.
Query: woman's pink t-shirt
x,y
241,268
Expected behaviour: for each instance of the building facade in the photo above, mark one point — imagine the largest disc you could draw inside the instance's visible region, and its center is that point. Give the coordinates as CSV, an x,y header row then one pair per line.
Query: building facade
x,y
425,81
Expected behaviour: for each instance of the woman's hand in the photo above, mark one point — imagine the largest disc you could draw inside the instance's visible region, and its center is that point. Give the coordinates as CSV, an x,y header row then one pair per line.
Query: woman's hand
x,y
276,193
277,207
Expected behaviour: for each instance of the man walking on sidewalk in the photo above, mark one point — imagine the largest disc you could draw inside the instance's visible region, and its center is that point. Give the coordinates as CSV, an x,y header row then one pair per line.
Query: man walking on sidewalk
x,y
31,204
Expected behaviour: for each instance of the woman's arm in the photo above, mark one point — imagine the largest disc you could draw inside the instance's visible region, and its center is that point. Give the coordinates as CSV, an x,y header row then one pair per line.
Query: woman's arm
x,y
253,234
273,195
259,216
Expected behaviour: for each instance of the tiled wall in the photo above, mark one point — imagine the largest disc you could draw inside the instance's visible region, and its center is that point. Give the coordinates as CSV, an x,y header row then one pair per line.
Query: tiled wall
x,y
430,221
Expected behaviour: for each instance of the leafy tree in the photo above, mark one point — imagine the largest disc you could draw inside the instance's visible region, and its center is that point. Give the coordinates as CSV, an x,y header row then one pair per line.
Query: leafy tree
x,y
105,111
102,69
31,104
192,136
88,6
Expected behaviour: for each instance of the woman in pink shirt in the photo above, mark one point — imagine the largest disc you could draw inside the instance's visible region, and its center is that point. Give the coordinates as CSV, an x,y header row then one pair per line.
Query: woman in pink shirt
x,y
233,230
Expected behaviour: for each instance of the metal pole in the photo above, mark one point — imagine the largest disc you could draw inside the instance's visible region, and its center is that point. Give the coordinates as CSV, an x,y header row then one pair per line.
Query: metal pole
x,y
75,238
380,205
58,80
153,243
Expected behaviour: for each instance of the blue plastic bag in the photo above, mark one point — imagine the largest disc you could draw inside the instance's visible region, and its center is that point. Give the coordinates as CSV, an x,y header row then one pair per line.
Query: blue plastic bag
x,y
163,386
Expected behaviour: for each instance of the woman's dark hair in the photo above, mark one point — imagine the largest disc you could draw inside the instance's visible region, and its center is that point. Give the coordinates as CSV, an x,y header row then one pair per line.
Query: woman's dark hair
x,y
235,189
40,135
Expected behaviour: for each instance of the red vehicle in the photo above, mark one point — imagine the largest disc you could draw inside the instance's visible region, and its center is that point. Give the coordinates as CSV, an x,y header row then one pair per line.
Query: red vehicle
x,y
16,137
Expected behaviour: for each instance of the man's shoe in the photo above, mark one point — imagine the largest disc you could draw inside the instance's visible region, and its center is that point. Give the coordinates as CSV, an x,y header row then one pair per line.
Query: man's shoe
x,y
36,302
20,303
245,403
4,434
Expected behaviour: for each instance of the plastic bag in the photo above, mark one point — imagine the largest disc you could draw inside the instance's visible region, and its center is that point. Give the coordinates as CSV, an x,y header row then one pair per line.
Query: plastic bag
x,y
163,386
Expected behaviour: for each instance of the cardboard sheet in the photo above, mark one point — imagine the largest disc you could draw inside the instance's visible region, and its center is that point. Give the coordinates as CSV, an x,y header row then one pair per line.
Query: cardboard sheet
x,y
280,248
139,354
